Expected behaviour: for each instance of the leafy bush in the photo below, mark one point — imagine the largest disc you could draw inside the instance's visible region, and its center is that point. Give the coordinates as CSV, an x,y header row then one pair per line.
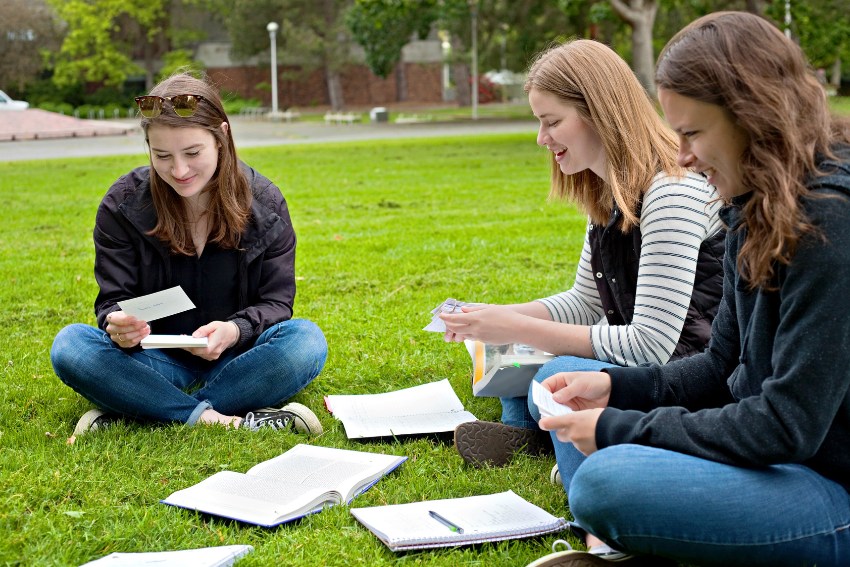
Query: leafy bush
x,y
179,61
89,111
115,111
60,107
44,91
233,104
488,91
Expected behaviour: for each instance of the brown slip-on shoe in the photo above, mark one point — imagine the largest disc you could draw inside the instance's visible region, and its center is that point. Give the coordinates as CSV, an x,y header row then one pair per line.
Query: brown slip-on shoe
x,y
483,443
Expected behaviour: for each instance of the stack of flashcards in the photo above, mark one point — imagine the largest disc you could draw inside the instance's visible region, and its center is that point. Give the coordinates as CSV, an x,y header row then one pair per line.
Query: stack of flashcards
x,y
448,306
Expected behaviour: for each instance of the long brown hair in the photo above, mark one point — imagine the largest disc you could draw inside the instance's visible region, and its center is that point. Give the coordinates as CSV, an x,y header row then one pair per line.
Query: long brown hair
x,y
600,85
230,194
744,64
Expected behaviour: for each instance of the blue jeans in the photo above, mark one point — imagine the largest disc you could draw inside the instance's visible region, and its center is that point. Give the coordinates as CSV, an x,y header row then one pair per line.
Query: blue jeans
x,y
173,385
521,412
654,501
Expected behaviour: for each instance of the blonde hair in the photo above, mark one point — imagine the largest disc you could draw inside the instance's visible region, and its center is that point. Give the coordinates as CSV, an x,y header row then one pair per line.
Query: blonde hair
x,y
600,85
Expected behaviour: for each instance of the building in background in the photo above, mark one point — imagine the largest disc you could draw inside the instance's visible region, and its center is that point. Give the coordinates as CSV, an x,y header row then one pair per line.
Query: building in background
x,y
417,79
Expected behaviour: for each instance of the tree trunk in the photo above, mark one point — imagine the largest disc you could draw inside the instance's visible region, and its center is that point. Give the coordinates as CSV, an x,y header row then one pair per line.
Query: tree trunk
x,y
401,82
640,15
460,74
643,59
836,73
334,89
148,66
756,6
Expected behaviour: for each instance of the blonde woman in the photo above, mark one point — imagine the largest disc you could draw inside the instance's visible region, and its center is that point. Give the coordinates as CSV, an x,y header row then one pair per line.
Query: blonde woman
x,y
649,277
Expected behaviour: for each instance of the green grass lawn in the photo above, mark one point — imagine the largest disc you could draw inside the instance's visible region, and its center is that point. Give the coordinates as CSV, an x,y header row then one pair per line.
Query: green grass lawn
x,y
840,105
386,231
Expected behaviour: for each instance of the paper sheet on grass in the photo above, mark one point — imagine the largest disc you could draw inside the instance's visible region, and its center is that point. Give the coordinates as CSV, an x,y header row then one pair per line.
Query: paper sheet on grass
x,y
427,408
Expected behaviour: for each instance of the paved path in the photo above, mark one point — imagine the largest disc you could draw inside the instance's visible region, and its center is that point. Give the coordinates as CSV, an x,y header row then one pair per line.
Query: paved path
x,y
248,133
36,124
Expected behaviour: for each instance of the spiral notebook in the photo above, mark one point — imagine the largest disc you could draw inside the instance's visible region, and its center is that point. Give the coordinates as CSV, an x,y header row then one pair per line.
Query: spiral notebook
x,y
457,521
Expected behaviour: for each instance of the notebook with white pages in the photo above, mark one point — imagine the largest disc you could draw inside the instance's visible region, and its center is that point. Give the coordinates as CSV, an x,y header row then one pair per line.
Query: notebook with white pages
x,y
457,521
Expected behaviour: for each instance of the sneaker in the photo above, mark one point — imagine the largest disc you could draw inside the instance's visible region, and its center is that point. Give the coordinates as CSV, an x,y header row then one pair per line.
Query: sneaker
x,y
555,475
575,558
483,443
292,416
93,420
597,556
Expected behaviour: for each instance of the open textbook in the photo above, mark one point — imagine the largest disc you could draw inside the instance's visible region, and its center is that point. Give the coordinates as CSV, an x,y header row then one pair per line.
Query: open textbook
x,y
301,481
427,408
457,521
221,556
504,371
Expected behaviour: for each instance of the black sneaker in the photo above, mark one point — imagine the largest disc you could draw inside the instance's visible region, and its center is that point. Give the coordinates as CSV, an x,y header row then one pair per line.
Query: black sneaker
x,y
93,420
292,416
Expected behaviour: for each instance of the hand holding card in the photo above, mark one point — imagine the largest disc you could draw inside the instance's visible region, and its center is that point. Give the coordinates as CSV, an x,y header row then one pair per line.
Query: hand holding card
x,y
546,403
157,305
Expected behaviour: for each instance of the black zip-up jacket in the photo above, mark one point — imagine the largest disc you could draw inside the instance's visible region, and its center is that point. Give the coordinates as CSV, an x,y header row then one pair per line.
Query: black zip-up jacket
x,y
130,263
616,255
774,384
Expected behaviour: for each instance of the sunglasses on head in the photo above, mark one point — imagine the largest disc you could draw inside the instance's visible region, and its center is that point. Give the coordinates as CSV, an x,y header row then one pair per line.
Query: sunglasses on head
x,y
184,105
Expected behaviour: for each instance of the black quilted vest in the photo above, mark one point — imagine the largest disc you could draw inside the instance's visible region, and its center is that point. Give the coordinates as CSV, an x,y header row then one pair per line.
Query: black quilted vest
x,y
614,258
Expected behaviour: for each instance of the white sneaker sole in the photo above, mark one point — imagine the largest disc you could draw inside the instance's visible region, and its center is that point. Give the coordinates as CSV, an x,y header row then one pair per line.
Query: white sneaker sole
x,y
87,422
305,421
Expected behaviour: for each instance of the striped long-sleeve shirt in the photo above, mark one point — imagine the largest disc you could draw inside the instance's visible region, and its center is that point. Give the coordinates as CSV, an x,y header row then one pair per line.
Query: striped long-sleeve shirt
x,y
677,215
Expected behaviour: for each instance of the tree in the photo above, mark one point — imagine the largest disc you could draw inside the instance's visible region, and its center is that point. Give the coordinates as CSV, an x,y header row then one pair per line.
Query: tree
x,y
28,31
640,16
824,37
509,31
104,34
312,33
384,27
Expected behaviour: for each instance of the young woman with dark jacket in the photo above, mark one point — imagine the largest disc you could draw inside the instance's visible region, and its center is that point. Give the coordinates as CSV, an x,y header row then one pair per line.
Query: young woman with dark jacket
x,y
200,219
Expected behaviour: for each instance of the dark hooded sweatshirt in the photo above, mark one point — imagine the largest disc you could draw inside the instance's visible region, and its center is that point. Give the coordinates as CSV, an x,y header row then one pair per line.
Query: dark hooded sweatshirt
x,y
774,384
253,286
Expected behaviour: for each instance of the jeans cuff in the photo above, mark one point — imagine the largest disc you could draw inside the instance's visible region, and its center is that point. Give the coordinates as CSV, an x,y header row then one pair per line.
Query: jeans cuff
x,y
196,413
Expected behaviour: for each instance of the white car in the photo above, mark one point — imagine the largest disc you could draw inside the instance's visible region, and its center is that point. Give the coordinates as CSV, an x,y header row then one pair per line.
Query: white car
x,y
7,103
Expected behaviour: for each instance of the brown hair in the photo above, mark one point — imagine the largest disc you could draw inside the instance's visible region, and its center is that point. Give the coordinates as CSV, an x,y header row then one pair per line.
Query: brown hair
x,y
745,65
230,194
600,85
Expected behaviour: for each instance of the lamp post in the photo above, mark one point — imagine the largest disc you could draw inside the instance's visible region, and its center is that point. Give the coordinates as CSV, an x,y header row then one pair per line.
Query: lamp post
x,y
473,6
272,27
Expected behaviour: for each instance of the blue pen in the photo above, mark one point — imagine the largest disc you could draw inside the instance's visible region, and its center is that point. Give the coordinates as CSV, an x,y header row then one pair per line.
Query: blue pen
x,y
452,526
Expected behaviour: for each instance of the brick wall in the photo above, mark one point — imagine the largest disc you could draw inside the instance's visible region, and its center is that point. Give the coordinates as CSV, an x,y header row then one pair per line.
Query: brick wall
x,y
361,88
